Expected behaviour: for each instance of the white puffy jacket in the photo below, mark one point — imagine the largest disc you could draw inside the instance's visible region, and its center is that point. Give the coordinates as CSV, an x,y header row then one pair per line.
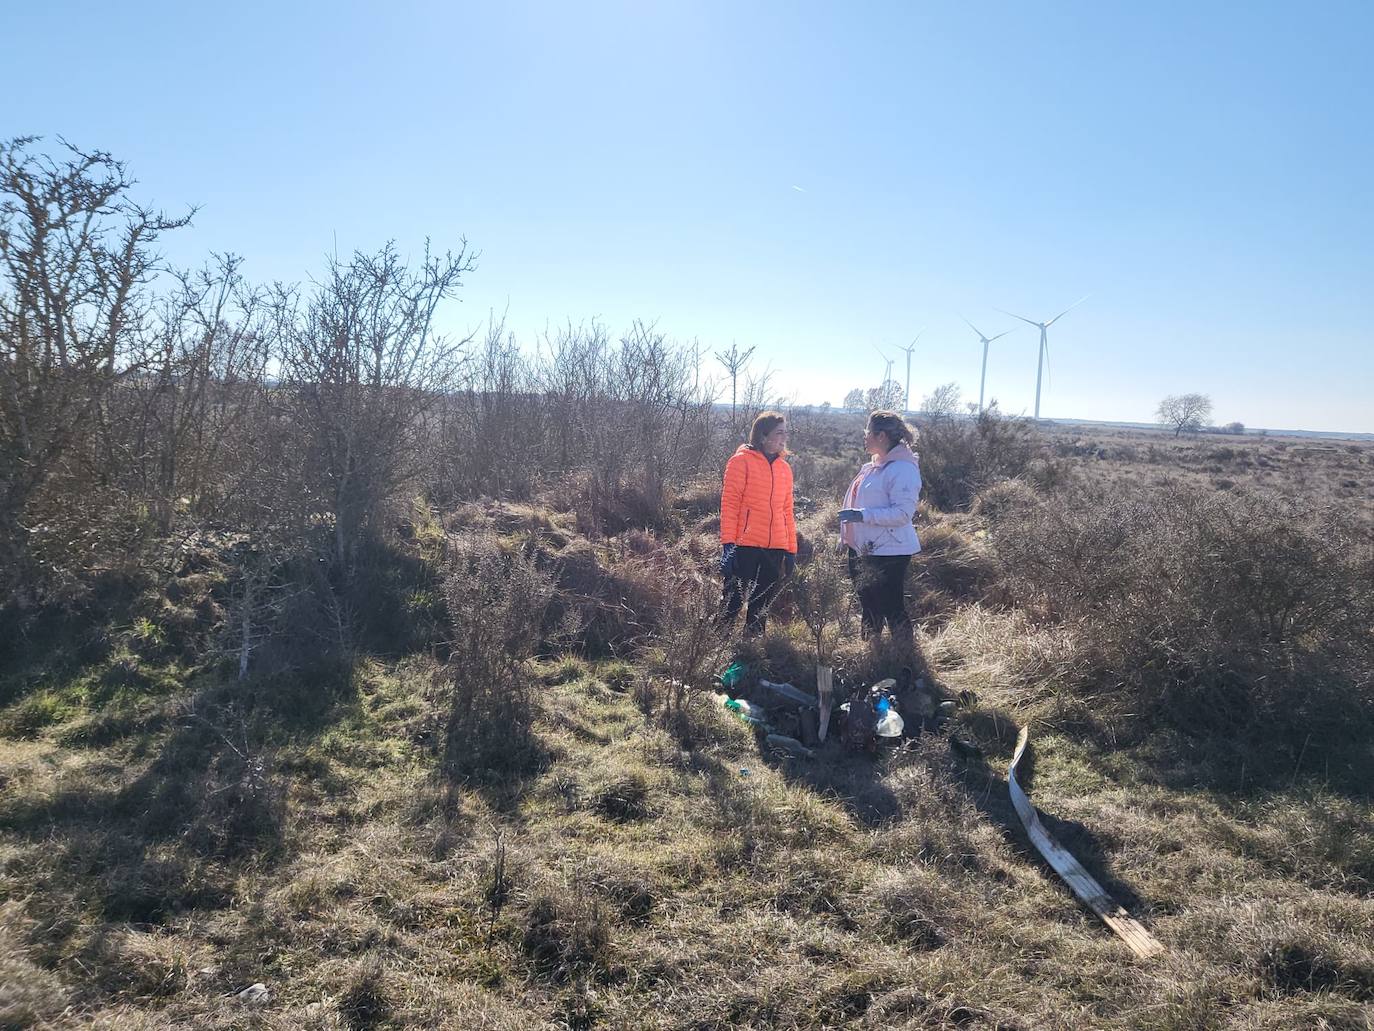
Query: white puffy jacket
x,y
887,492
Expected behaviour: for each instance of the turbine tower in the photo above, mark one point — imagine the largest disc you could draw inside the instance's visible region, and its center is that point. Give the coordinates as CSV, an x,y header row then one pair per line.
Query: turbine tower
x,y
887,370
1044,342
908,349
982,381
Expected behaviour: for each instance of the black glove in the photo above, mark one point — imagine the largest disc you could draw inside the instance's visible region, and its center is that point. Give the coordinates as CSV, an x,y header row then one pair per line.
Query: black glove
x,y
727,559
851,515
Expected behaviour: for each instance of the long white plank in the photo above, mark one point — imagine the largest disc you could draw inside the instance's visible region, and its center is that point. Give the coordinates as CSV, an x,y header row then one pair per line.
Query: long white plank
x,y
1141,942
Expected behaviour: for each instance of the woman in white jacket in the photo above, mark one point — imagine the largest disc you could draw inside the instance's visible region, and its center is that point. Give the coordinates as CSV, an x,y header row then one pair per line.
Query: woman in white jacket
x,y
876,525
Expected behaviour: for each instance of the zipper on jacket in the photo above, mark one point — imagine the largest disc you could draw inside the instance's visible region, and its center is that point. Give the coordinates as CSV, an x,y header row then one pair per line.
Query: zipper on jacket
x,y
770,500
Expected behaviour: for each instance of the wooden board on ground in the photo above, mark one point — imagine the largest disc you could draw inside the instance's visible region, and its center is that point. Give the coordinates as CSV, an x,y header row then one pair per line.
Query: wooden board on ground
x,y
1141,942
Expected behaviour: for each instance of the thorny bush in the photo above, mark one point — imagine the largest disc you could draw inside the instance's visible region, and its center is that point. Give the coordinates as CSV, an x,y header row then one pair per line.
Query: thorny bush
x,y
960,456
497,603
1223,609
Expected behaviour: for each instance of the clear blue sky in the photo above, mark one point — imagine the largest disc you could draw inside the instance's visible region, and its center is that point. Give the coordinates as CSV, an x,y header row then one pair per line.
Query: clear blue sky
x,y
1203,171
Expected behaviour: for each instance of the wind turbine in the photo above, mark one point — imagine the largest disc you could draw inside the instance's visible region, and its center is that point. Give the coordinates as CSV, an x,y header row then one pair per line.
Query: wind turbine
x,y
986,340
908,349
1044,342
887,371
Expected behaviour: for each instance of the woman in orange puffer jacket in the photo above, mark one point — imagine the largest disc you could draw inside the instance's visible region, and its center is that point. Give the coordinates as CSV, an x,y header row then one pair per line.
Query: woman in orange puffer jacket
x,y
758,534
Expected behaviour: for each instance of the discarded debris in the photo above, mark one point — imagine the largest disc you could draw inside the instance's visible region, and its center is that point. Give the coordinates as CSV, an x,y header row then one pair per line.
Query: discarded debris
x,y
859,720
792,694
889,722
789,744
733,674
255,994
825,696
1141,942
750,712
963,749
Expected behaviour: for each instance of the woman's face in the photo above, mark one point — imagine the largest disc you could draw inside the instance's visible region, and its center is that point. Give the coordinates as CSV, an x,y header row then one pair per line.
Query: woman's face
x,y
774,442
876,443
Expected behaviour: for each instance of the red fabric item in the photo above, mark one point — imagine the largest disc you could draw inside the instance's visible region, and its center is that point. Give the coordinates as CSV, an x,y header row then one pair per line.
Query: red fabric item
x,y
756,502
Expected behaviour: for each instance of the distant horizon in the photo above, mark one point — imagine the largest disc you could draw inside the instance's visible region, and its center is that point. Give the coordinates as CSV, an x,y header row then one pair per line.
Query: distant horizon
x,y
1206,431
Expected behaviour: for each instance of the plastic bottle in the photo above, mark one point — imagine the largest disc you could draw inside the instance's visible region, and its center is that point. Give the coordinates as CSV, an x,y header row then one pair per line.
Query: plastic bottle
x,y
748,712
890,723
733,674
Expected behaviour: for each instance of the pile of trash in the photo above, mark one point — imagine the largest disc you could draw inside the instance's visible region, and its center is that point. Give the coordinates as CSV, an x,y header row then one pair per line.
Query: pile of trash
x,y
792,720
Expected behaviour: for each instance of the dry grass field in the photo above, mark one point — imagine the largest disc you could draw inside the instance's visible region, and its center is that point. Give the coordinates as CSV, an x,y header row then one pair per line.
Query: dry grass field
x,y
1318,471
521,822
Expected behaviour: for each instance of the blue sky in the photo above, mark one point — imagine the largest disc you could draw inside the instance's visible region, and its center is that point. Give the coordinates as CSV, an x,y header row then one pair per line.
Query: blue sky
x,y
1202,171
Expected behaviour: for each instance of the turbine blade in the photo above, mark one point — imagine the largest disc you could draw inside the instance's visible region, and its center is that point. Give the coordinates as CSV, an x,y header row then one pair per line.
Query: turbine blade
x,y
1068,309
1013,314
999,336
971,326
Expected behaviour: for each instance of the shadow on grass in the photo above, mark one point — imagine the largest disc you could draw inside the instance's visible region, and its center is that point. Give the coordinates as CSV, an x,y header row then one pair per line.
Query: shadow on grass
x,y
490,746
980,758
852,779
169,840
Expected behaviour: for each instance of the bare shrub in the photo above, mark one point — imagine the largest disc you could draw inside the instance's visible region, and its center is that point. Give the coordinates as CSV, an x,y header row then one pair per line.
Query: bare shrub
x,y
362,372
75,320
689,645
499,408
824,598
497,603
200,399
633,418
962,455
1225,609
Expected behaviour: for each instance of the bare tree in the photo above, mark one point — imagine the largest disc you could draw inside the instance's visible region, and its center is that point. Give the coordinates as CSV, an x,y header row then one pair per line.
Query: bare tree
x,y
824,598
498,405
758,395
201,391
941,404
1185,412
855,398
887,395
735,362
75,258
363,371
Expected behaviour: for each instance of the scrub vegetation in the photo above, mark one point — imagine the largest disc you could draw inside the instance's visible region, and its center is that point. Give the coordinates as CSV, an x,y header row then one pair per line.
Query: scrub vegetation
x,y
387,685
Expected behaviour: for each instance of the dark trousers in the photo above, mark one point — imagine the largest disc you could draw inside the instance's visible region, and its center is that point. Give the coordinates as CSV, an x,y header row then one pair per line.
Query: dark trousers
x,y
881,583
755,578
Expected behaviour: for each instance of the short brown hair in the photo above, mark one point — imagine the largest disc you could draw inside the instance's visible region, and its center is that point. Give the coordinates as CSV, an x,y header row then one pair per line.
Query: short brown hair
x,y
897,429
764,424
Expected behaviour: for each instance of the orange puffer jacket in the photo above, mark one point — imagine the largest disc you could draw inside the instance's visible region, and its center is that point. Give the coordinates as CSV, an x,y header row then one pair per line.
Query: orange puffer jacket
x,y
756,502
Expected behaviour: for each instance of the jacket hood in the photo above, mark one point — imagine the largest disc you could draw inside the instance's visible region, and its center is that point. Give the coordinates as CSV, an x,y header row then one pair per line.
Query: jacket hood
x,y
900,453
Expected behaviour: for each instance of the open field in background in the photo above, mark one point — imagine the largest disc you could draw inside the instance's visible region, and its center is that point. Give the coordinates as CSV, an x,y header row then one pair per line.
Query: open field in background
x,y
418,833
1317,470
